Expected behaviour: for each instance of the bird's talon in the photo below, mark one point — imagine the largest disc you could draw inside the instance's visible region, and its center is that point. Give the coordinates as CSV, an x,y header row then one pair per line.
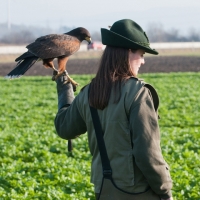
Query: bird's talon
x,y
55,72
53,78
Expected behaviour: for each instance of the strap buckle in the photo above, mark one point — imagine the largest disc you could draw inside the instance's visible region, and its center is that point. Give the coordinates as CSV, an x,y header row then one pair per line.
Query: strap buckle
x,y
107,172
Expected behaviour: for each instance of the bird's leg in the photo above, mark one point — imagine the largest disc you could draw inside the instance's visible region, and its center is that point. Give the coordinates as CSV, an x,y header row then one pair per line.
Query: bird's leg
x,y
74,83
49,63
62,68
62,61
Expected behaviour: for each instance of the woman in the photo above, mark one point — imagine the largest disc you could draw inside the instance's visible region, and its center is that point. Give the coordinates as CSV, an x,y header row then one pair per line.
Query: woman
x,y
127,108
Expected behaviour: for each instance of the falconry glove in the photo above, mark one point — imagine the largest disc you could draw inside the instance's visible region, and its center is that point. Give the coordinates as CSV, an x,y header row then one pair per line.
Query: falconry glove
x,y
65,90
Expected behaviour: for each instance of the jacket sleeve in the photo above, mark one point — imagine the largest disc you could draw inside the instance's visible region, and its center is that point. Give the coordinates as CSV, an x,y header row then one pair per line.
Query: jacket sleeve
x,y
146,144
69,123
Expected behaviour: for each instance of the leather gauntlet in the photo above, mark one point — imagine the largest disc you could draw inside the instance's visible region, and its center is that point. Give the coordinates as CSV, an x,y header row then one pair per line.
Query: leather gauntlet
x,y
64,90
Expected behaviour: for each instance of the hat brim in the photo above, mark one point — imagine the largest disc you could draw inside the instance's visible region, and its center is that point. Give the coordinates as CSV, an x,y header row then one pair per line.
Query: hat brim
x,y
113,39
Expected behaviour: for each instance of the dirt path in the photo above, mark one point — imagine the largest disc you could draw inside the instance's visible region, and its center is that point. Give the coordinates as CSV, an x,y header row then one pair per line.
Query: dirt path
x,y
89,66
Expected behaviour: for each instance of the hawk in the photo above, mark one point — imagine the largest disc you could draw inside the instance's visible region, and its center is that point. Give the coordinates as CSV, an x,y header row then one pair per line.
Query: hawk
x,y
49,47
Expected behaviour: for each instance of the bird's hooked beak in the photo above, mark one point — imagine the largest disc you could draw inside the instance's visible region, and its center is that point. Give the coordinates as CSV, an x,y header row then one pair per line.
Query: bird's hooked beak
x,y
88,39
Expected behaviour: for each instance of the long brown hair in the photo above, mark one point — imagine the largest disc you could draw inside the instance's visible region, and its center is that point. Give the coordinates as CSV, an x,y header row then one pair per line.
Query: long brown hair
x,y
113,69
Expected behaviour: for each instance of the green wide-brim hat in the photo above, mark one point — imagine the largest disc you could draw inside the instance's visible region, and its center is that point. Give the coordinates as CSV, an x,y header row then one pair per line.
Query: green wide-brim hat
x,y
126,33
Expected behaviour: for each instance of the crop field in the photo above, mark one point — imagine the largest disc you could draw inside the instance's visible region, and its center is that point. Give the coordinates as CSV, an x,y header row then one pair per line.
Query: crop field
x,y
35,164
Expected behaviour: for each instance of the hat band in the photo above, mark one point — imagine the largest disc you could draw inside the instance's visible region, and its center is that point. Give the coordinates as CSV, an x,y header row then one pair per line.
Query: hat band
x,y
143,44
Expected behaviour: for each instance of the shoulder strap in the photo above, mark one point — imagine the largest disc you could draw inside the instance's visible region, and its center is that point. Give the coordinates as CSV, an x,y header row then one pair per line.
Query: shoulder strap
x,y
154,96
107,171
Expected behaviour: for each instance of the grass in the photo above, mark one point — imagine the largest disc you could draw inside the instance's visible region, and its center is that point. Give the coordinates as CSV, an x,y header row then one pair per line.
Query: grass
x,y
35,163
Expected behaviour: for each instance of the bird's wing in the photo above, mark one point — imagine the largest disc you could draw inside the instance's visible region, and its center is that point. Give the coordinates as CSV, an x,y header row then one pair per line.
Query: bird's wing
x,y
54,45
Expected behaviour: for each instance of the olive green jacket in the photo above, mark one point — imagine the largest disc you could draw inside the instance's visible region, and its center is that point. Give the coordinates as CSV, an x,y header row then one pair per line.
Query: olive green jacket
x,y
131,134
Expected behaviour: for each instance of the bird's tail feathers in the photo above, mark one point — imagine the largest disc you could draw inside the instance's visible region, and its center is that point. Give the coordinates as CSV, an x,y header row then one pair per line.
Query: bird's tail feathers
x,y
22,67
23,56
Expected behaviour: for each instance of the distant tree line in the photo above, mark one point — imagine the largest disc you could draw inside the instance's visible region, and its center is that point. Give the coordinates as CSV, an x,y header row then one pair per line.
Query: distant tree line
x,y
156,33
20,35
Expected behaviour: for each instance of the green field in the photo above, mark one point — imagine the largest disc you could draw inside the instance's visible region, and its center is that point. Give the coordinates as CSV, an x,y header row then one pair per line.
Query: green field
x,y
35,164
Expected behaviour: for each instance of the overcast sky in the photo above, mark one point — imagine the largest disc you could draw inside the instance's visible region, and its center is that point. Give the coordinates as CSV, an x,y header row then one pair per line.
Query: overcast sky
x,y
93,15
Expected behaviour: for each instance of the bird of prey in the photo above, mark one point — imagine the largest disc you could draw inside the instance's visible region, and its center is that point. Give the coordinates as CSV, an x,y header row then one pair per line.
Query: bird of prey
x,y
48,47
